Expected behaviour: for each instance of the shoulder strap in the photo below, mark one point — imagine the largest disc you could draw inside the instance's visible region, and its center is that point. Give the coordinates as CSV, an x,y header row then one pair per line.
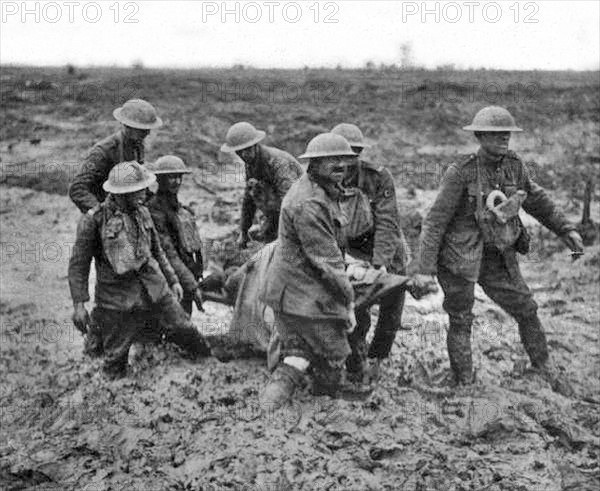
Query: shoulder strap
x,y
479,191
121,153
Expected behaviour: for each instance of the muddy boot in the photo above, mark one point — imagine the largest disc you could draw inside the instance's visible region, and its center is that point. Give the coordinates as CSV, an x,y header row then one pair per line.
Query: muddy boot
x,y
92,345
559,383
374,369
534,340
356,363
189,340
326,378
282,384
459,353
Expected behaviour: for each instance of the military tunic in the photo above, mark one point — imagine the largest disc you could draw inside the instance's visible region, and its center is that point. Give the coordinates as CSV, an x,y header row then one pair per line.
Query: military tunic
x,y
274,171
179,238
383,245
128,304
307,286
86,189
452,247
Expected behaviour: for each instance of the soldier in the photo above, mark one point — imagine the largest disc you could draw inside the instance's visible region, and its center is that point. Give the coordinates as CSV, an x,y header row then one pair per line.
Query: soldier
x,y
138,117
133,274
269,174
176,226
307,286
376,237
458,245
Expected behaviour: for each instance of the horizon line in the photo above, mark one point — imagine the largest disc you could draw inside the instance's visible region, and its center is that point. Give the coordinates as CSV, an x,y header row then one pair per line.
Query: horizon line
x,y
240,66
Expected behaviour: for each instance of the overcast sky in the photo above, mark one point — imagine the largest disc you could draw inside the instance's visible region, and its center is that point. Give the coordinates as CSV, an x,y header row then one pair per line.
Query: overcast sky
x,y
546,34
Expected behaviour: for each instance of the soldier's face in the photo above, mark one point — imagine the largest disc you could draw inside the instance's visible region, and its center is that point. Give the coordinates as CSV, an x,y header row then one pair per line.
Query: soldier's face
x,y
135,134
132,201
247,154
331,169
494,142
169,182
350,168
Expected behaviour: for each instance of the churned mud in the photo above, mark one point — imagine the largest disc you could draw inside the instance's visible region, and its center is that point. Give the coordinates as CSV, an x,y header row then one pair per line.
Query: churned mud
x,y
177,425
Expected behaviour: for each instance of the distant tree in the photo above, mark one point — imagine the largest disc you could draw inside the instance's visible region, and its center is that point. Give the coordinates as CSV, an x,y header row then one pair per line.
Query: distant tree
x,y
406,55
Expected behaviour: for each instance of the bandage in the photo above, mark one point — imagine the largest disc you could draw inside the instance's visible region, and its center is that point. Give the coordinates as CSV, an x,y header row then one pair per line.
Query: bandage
x,y
297,362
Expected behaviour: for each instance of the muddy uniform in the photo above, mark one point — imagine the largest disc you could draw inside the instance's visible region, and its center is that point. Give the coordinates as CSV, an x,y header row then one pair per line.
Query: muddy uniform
x,y
179,238
383,245
268,179
307,286
452,247
86,189
131,291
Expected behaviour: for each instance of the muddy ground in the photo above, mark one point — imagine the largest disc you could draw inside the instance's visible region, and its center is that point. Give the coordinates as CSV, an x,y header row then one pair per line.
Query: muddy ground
x,y
180,425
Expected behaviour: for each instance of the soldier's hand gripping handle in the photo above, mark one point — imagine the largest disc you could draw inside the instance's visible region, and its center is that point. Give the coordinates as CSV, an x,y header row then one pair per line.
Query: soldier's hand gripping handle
x,y
574,242
420,285
177,290
80,317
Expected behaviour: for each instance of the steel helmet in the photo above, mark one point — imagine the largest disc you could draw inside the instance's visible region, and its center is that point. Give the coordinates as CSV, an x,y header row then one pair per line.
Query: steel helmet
x,y
241,135
128,177
137,113
327,145
168,164
493,118
352,133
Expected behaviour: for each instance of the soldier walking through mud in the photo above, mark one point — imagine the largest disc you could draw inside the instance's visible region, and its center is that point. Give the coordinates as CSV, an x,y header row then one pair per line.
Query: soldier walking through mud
x,y
269,174
133,275
137,117
464,241
374,235
307,286
176,226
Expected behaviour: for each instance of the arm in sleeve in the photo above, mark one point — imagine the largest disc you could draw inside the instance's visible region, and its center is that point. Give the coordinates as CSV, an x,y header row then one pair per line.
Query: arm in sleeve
x,y
539,205
186,277
161,258
318,241
248,212
387,226
286,174
87,242
91,175
436,221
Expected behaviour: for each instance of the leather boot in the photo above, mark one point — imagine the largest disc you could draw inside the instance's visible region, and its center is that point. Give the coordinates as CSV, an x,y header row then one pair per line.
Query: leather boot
x,y
93,346
356,363
534,340
282,384
189,340
459,352
326,380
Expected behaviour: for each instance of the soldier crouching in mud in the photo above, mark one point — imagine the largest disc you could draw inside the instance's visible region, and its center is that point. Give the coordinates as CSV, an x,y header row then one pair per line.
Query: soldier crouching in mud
x,y
464,241
133,276
176,227
307,286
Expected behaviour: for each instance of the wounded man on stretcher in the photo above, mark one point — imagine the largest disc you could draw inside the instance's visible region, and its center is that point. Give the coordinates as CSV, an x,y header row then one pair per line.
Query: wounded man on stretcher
x,y
252,331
